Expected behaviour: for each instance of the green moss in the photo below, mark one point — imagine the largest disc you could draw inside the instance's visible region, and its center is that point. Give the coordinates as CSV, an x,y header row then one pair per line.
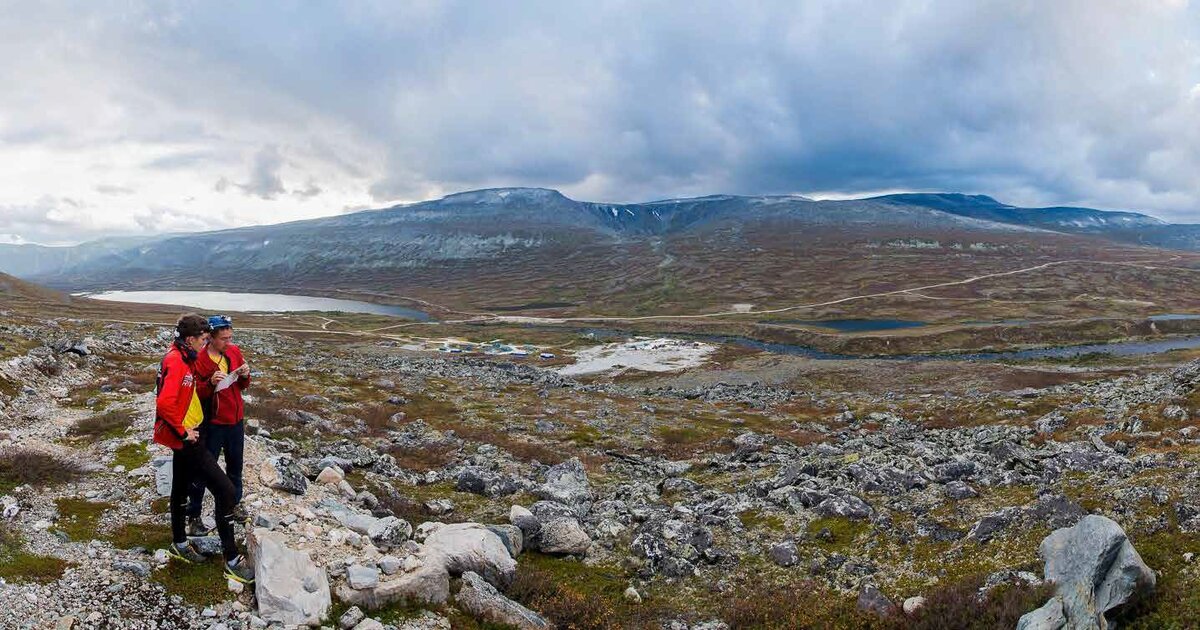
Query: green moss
x,y
836,533
131,456
201,584
161,505
1176,600
144,535
584,435
756,519
18,565
79,518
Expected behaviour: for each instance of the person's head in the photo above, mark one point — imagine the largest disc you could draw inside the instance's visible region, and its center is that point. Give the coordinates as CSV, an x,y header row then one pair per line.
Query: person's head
x,y
191,331
222,332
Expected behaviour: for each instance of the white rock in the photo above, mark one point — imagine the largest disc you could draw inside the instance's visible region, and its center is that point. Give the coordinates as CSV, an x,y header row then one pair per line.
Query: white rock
x,y
289,587
913,604
331,476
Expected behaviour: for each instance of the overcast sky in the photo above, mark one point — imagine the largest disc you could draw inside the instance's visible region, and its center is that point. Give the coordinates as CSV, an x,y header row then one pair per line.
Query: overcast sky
x,y
136,117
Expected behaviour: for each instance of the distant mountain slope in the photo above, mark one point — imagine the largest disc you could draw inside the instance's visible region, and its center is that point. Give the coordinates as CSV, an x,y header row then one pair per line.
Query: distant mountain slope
x,y
1062,218
510,226
15,289
29,261
513,247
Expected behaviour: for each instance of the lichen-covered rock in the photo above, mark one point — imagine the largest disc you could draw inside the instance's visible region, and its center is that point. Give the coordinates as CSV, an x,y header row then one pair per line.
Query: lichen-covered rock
x,y
563,536
1094,568
282,473
482,601
389,532
566,483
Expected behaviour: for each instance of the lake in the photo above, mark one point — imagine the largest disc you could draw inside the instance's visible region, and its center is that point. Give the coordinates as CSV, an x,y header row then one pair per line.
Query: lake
x,y
223,301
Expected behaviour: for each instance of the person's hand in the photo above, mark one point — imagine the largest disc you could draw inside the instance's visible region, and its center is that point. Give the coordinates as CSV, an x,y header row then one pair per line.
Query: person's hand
x,y
243,370
218,376
191,435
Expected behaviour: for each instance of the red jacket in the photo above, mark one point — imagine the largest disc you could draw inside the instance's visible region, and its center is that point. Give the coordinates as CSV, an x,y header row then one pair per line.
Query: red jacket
x,y
177,381
226,407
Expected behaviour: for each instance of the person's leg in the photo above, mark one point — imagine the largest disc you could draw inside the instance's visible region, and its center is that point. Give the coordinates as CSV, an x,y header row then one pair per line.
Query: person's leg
x,y
222,490
212,442
235,444
182,474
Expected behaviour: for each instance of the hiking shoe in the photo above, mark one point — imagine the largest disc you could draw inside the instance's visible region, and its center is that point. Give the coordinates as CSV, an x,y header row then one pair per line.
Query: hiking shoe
x,y
184,553
239,514
196,527
239,570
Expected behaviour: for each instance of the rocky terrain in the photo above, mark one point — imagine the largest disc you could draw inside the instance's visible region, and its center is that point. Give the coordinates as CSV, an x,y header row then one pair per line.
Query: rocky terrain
x,y
394,488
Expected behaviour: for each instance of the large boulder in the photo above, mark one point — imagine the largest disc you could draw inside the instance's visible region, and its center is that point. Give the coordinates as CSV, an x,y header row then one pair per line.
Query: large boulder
x,y
566,483
426,583
463,547
290,588
448,550
563,536
282,473
482,601
1094,568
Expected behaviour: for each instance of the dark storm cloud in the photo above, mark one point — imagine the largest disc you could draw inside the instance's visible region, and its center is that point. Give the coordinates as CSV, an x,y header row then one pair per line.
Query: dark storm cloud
x,y
1090,102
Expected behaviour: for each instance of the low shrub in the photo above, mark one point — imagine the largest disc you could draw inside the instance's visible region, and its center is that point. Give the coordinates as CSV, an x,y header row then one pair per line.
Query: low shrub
x,y
111,424
26,466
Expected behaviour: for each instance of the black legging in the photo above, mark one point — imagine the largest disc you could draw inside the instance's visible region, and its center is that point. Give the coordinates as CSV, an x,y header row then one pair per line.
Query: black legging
x,y
194,462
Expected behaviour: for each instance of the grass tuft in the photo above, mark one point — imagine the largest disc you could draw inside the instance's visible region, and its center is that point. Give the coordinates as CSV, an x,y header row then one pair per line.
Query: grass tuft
x,y
26,466
108,425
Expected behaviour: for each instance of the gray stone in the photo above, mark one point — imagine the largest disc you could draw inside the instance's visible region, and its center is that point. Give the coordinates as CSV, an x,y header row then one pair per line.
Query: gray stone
x,y
389,532
784,554
369,624
282,473
289,587
1050,423
1049,617
360,577
207,545
563,536
439,507
1094,568
847,505
566,483
162,475
389,565
132,566
870,599
350,618
511,536
482,601
959,490
267,520
462,547
478,480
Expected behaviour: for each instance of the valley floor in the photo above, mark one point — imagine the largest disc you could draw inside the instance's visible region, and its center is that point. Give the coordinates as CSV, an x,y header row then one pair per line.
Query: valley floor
x,y
752,491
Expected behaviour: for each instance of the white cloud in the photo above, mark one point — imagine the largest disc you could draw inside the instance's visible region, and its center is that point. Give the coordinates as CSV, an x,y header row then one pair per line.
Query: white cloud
x,y
161,116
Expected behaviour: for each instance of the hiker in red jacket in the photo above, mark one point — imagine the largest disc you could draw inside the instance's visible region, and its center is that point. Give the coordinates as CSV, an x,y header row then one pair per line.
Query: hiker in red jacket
x,y
223,429
178,414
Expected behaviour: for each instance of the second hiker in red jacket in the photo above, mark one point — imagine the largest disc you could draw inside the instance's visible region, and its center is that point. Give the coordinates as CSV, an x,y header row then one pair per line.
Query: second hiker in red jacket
x,y
223,431
178,414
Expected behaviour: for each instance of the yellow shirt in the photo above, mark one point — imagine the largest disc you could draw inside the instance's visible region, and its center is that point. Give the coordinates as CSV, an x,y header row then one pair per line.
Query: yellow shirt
x,y
195,414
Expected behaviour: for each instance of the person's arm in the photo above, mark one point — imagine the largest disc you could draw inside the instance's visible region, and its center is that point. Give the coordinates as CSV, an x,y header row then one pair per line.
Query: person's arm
x,y
243,381
167,405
